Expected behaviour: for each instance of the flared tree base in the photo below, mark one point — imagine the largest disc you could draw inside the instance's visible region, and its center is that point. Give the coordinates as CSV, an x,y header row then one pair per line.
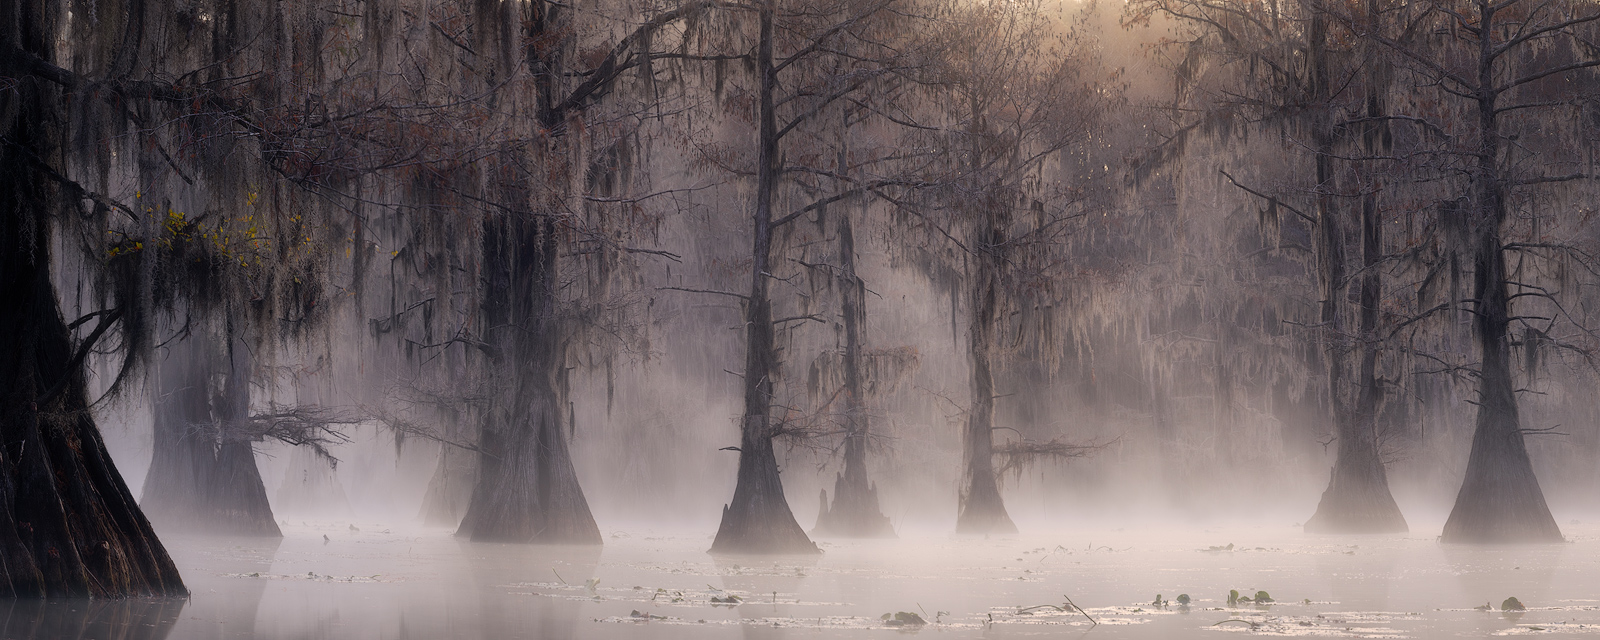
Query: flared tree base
x,y
1357,512
527,489
854,514
1500,515
985,520
763,534
1357,499
758,520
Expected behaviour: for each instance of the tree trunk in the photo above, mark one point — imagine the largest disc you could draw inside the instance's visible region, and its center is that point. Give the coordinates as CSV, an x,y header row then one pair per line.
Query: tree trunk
x,y
68,525
1357,499
1500,499
759,519
450,490
855,512
527,488
201,477
981,510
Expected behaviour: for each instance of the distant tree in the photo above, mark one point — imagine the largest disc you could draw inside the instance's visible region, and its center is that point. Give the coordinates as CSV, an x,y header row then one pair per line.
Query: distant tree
x,y
1016,110
809,61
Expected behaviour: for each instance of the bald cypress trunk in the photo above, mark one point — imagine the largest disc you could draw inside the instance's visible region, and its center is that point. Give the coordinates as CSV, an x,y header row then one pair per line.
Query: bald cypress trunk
x,y
1500,499
527,488
1357,499
759,520
855,512
68,525
980,508
203,474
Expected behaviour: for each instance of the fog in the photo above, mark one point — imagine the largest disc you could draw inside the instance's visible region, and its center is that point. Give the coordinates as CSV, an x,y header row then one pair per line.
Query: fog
x,y
799,318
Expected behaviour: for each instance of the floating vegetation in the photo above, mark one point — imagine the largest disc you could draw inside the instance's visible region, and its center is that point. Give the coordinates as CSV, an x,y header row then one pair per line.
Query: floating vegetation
x,y
1261,597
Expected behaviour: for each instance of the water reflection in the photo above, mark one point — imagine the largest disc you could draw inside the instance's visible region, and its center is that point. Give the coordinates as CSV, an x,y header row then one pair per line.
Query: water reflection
x,y
1360,576
130,619
227,594
533,591
771,586
374,584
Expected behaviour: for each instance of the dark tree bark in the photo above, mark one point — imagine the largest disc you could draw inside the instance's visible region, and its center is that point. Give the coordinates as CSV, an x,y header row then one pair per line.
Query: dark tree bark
x,y
527,489
759,519
855,512
980,509
203,477
68,525
1500,499
1357,499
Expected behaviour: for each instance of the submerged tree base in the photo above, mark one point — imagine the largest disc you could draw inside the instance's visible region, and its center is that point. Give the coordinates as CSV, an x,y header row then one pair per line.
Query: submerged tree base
x,y
852,516
1505,524
1501,511
759,521
984,519
761,536
1500,499
1357,499
1350,511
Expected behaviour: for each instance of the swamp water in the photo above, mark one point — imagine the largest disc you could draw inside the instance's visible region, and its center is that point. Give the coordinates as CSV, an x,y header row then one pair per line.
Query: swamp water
x,y
368,581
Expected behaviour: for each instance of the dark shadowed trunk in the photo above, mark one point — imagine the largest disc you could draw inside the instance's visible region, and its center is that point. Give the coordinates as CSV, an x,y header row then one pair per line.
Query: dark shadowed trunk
x,y
1500,499
68,525
981,510
759,519
1357,499
855,512
203,476
527,489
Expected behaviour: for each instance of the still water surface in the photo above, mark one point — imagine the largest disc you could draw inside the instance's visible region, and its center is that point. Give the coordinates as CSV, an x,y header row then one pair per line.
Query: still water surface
x,y
367,581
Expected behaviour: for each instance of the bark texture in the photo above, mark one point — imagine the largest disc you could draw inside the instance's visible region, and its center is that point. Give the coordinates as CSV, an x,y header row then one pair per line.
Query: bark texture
x,y
68,525
527,489
759,519
1500,498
